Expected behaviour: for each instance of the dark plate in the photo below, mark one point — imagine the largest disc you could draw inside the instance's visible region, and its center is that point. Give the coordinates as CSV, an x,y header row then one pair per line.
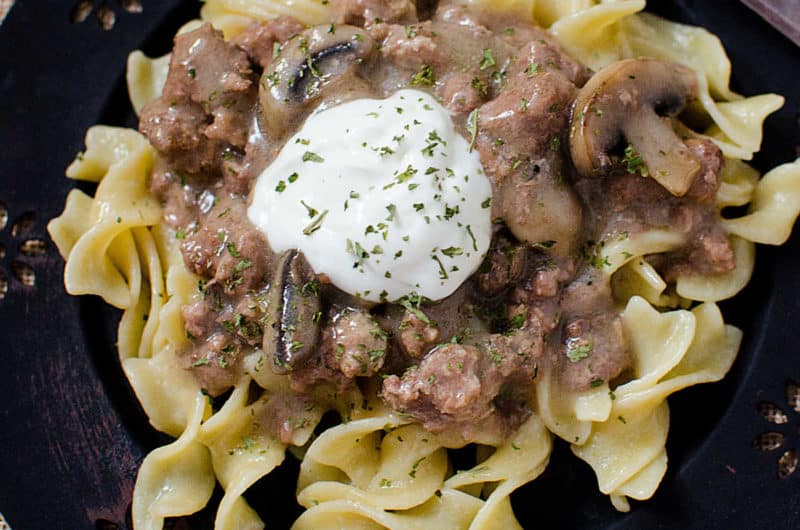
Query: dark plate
x,y
72,434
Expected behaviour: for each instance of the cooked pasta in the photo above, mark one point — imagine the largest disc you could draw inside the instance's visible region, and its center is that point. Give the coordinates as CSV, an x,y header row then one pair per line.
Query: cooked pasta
x,y
380,468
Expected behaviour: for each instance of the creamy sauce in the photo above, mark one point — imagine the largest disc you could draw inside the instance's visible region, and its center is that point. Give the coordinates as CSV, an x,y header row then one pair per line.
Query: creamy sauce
x,y
382,196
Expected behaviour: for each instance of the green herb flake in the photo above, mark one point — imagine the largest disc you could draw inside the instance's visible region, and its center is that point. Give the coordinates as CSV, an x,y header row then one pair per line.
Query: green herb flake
x,y
203,361
517,322
452,252
472,236
424,77
578,351
242,265
414,467
310,156
312,212
442,271
316,224
481,87
232,250
634,163
412,303
496,357
488,59
392,212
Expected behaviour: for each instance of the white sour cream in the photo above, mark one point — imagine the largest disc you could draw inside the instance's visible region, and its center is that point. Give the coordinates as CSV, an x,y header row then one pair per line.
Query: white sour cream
x,y
382,196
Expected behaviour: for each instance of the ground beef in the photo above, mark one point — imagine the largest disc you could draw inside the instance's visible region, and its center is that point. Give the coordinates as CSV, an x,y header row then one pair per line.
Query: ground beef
x,y
601,339
524,124
215,362
461,93
706,183
593,346
368,12
465,365
352,344
456,388
417,336
260,38
709,253
360,343
227,248
519,140
504,265
321,372
177,130
207,103
541,49
631,204
199,318
286,413
407,48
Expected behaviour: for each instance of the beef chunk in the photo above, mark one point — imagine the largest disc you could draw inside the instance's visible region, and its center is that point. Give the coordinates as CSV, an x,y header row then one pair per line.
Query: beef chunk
x,y
459,388
504,265
206,105
286,413
633,203
541,49
416,335
228,249
368,12
594,351
215,363
360,344
176,129
463,93
259,39
706,183
405,48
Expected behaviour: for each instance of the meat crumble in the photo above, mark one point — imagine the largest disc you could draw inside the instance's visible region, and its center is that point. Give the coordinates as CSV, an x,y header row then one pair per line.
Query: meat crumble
x,y
466,364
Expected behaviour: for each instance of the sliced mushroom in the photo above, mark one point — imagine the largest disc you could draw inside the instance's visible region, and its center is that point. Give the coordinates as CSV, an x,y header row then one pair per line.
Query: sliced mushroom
x,y
292,332
628,99
309,65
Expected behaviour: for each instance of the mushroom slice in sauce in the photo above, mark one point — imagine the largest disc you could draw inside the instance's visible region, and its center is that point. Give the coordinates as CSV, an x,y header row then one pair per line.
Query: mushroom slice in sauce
x,y
309,65
292,332
627,99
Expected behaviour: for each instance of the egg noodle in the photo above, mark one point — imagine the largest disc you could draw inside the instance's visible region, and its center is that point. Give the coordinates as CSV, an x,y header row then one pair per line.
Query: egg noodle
x,y
378,469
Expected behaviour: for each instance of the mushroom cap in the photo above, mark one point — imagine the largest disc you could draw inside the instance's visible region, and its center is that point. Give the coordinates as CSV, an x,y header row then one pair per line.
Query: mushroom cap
x,y
628,99
292,330
320,60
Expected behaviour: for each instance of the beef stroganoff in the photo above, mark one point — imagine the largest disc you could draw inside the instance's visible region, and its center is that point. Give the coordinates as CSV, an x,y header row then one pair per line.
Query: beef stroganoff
x,y
451,224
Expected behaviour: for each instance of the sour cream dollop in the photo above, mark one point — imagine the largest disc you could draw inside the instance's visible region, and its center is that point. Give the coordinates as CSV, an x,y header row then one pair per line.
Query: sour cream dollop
x,y
381,195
